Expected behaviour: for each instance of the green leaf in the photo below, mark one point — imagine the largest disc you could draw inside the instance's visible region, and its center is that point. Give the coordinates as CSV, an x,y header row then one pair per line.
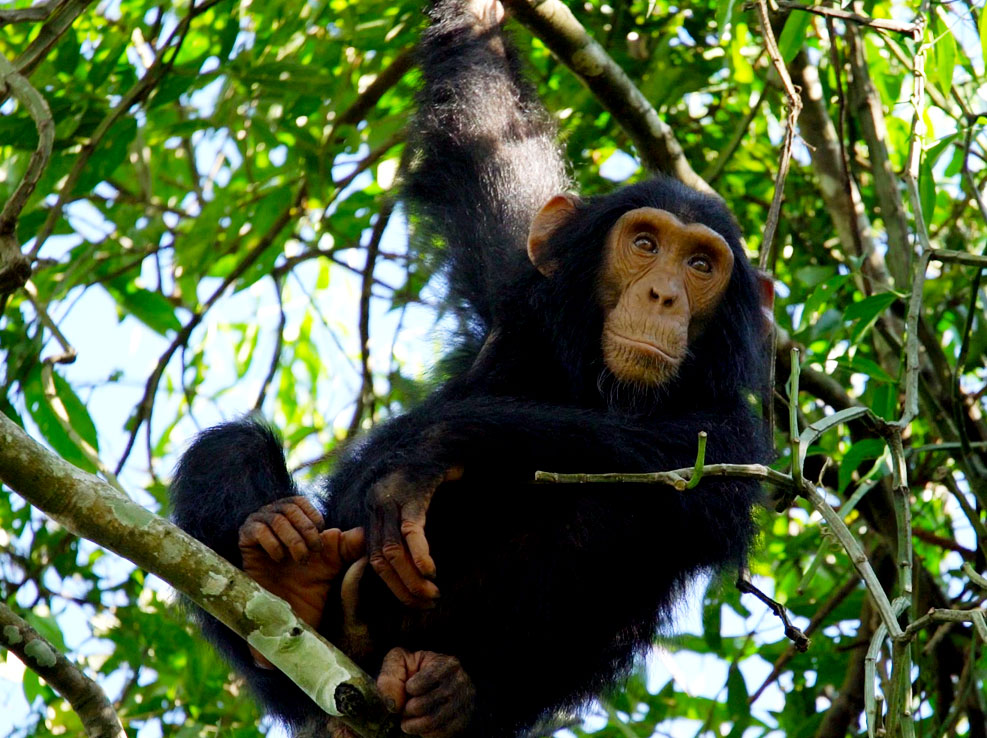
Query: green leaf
x,y
737,701
866,313
810,276
724,16
151,308
47,420
945,59
31,684
860,451
927,191
822,297
48,628
982,28
934,152
743,72
793,35
712,622
865,365
109,156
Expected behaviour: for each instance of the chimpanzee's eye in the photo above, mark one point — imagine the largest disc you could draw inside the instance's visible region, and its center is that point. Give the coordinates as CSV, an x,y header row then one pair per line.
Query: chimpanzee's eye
x,y
701,264
646,243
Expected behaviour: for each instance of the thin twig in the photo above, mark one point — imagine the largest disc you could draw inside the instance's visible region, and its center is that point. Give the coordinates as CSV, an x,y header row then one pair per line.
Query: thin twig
x,y
142,413
799,639
794,103
960,411
136,94
677,478
882,24
817,620
34,14
15,268
697,471
278,348
366,400
58,23
553,23
913,363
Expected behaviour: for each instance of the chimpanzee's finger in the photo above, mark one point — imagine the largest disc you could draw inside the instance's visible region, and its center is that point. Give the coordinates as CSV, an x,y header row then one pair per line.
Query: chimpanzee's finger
x,y
352,544
289,536
302,523
256,532
349,593
413,530
446,722
424,705
330,549
309,509
394,581
393,675
401,562
380,564
399,559
437,671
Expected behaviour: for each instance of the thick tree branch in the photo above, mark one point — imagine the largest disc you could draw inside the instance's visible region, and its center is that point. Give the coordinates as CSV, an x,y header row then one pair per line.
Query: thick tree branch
x,y
86,697
87,506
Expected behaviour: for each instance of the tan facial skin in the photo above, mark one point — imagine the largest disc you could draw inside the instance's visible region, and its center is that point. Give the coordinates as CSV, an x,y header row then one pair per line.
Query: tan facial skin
x,y
661,281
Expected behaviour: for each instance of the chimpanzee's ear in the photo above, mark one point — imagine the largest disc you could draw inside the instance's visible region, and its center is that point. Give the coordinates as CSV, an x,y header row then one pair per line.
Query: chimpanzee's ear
x,y
552,215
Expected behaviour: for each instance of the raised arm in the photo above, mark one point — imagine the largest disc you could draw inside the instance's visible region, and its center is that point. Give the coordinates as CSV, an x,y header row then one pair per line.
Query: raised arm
x,y
486,158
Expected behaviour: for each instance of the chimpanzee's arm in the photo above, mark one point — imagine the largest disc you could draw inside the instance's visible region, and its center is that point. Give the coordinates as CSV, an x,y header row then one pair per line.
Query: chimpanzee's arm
x,y
486,157
387,486
228,473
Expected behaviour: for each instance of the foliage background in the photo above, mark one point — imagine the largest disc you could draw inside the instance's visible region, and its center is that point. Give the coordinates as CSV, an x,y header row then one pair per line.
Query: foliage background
x,y
215,231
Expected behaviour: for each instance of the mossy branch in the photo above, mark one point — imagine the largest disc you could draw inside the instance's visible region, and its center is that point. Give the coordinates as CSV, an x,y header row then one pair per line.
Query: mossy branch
x,y
89,507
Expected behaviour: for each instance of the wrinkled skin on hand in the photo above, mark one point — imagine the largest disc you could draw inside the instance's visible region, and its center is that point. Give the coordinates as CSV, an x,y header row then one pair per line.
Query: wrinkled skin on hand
x,y
287,550
396,542
430,691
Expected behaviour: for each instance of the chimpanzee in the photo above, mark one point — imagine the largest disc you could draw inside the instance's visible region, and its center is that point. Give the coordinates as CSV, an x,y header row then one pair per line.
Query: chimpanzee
x,y
600,335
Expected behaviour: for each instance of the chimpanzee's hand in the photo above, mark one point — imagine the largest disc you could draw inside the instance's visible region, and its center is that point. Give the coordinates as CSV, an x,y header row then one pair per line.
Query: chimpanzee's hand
x,y
489,13
287,552
396,537
431,692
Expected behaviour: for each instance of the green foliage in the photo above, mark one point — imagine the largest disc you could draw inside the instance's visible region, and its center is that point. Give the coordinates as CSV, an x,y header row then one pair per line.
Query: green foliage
x,y
205,216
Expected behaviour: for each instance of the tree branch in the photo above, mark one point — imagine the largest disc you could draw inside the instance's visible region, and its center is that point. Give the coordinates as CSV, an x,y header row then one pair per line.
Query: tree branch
x,y
142,412
86,697
88,507
15,267
554,23
827,11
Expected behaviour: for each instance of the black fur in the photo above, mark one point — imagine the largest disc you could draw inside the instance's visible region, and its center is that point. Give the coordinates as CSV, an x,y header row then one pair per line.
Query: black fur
x,y
548,591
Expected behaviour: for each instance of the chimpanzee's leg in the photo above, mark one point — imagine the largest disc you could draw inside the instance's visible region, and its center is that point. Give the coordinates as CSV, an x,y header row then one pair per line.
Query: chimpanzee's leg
x,y
230,472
